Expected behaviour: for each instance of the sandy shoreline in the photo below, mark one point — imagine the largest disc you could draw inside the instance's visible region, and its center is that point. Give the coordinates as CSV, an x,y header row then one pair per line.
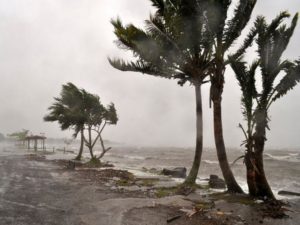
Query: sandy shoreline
x,y
40,184
201,206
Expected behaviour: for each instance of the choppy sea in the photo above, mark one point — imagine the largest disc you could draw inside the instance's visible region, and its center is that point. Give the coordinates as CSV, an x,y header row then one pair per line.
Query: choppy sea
x,y
282,166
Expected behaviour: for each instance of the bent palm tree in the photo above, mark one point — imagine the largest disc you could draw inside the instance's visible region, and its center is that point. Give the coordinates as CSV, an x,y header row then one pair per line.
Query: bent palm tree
x,y
79,110
96,117
67,110
272,41
177,44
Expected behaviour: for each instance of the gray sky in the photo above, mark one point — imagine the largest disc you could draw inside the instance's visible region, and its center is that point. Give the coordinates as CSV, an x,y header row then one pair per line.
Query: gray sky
x,y
46,43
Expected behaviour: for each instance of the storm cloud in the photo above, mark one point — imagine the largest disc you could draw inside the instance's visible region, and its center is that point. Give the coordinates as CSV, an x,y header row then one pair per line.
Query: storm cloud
x,y
46,43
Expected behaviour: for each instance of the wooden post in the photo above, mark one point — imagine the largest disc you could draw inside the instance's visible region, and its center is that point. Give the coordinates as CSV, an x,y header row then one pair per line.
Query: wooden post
x,y
35,144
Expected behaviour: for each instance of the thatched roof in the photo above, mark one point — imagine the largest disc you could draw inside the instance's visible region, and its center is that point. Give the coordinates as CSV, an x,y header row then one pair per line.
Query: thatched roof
x,y
35,137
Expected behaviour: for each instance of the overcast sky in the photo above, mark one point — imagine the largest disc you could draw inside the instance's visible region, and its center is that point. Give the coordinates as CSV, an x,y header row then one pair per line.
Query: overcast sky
x,y
46,43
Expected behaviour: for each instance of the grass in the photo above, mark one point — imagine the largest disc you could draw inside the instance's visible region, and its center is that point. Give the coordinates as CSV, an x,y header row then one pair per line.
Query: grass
x,y
94,162
164,191
125,182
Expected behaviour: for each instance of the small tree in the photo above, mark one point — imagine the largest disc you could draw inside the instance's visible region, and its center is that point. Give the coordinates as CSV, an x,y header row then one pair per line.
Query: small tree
x,y
96,118
272,40
20,135
79,110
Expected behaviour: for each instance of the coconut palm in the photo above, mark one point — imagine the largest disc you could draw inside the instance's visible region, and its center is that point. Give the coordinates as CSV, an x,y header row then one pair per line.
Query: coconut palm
x,y
67,111
96,117
176,44
79,110
187,40
227,32
272,40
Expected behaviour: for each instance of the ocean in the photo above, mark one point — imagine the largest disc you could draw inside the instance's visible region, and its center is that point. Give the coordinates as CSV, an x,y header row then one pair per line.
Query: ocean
x,y
282,166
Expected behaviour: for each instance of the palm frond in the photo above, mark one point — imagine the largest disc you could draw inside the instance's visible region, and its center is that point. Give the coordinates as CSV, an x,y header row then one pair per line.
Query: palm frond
x,y
246,44
241,17
288,82
159,5
277,21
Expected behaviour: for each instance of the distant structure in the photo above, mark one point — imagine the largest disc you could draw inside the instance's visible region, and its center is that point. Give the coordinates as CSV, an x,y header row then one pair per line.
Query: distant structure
x,y
35,139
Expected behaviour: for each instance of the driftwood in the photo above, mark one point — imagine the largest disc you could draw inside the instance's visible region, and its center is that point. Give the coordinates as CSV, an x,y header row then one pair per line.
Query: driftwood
x,y
173,218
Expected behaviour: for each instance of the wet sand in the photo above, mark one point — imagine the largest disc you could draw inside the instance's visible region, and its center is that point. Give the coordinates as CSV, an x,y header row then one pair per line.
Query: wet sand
x,y
34,190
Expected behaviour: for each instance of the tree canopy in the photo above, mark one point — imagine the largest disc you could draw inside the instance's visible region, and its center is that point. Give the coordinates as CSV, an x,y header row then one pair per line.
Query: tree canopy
x,y
80,110
20,135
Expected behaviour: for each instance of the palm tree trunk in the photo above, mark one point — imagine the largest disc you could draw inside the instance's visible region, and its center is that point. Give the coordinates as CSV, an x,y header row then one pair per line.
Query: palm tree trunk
x,y
78,157
191,178
231,183
90,142
250,171
263,188
217,85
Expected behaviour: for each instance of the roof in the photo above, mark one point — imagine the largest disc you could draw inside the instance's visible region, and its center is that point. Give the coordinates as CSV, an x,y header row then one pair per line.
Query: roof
x,y
35,137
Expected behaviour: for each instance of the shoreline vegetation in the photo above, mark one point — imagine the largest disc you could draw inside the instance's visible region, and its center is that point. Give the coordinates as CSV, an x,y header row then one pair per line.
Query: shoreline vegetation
x,y
197,205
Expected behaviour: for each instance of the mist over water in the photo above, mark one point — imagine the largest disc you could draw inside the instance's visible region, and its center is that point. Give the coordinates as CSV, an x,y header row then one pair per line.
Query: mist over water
x,y
281,166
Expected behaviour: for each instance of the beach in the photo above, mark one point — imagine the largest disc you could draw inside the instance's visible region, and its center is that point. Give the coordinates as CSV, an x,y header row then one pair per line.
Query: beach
x,y
38,188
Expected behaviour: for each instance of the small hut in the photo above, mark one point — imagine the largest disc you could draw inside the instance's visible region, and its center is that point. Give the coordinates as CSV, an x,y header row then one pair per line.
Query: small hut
x,y
35,139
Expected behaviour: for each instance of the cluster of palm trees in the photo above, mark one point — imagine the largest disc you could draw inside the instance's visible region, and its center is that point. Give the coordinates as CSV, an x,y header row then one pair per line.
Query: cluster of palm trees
x,y
189,40
83,112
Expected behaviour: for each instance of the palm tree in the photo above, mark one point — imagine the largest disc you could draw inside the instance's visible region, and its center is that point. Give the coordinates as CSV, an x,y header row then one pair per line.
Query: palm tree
x,y
272,40
80,110
177,44
20,135
67,111
96,117
226,32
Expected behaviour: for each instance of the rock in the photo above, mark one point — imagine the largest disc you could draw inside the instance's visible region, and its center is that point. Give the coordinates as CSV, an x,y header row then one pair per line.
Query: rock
x,y
154,170
288,193
73,163
179,172
216,182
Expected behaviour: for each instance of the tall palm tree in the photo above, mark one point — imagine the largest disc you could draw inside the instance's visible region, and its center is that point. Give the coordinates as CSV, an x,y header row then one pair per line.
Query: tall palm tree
x,y
227,31
67,111
177,44
272,40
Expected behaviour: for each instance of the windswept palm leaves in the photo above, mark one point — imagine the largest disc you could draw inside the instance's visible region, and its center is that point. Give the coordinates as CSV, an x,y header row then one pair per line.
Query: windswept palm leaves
x,y
79,110
67,111
272,40
227,31
176,44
